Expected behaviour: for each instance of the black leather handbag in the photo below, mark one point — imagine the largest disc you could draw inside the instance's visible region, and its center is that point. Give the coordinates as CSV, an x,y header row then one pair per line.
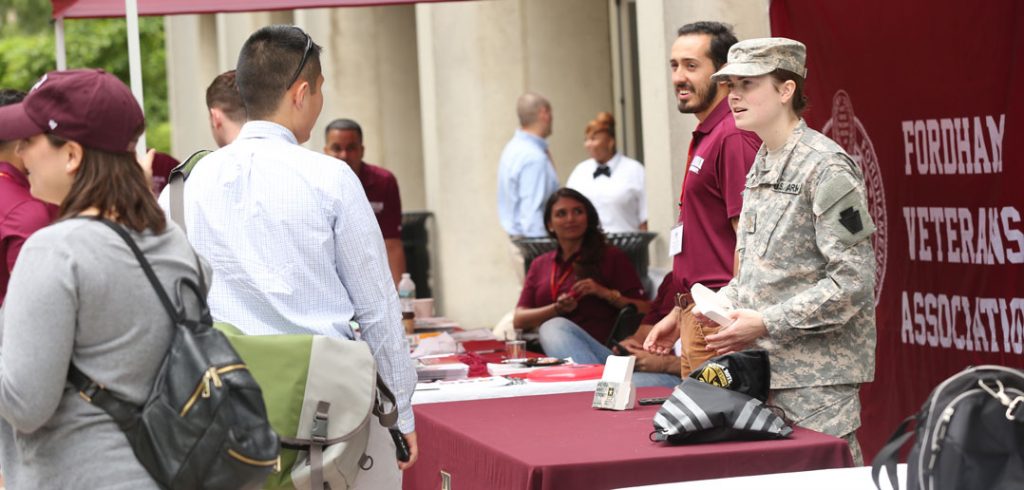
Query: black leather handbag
x,y
204,424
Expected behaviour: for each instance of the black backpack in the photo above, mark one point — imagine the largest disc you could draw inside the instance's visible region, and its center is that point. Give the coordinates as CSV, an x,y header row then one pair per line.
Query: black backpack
x,y
969,434
204,424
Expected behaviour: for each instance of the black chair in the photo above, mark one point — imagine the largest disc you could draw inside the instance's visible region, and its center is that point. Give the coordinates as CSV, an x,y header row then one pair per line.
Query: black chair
x,y
634,244
531,248
417,256
625,325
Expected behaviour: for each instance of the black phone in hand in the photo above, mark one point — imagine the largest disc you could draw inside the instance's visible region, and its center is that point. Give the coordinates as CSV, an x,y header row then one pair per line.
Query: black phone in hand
x,y
401,447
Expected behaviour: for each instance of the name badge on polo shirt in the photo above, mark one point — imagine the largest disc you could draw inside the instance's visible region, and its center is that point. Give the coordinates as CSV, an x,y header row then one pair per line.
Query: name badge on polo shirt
x,y
377,206
697,164
675,242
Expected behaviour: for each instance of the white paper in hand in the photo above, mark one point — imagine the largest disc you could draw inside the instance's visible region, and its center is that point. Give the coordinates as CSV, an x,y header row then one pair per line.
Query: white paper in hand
x,y
711,305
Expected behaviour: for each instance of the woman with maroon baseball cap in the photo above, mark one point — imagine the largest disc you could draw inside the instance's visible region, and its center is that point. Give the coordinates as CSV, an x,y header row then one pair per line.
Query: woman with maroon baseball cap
x,y
77,292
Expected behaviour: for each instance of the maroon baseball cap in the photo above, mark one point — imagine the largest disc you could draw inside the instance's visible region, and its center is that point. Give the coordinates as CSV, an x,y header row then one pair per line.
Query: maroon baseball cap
x,y
91,107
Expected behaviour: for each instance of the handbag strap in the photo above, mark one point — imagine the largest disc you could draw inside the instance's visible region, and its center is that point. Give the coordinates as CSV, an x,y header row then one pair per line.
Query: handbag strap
x,y
123,412
888,456
146,267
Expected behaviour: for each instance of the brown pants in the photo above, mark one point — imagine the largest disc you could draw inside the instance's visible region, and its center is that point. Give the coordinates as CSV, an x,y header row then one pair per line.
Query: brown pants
x,y
693,337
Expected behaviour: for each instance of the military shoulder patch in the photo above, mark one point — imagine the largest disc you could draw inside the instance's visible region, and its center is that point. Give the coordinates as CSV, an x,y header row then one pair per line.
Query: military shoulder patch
x,y
850,219
833,189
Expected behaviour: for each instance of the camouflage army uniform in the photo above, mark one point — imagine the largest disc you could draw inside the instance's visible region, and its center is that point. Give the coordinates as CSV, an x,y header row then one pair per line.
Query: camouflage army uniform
x,y
806,264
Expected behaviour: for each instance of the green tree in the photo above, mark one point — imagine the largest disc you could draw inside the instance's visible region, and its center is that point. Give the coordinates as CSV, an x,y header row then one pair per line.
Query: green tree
x,y
27,51
24,16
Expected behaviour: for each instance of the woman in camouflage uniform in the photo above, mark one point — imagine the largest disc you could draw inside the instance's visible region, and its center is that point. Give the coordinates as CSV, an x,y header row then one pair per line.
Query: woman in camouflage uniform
x,y
804,289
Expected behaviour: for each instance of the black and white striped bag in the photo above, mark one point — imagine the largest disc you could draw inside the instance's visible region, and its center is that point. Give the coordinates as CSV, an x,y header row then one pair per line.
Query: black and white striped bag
x,y
722,400
698,412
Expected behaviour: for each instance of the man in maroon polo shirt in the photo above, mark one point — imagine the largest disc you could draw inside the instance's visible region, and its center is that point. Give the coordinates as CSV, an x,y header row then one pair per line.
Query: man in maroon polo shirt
x,y
20,213
344,140
703,243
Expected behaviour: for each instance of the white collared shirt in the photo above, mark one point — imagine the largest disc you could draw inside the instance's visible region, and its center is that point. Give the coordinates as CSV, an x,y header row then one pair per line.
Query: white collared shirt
x,y
295,248
620,199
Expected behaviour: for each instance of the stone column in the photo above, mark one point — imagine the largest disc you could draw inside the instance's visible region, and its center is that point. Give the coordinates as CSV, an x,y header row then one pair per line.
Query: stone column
x,y
200,47
475,59
191,66
234,29
369,62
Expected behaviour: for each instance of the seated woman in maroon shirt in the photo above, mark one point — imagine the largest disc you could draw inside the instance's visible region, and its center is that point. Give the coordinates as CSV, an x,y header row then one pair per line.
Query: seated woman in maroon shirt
x,y
574,293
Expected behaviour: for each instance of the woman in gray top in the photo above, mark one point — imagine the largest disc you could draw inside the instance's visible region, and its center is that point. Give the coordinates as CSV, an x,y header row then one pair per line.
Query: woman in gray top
x,y
77,292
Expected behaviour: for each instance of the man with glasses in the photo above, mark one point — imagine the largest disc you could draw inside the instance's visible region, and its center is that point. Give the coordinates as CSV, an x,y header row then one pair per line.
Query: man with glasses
x,y
293,242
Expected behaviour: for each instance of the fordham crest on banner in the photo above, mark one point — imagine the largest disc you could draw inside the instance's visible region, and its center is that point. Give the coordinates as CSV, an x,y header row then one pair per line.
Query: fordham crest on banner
x,y
845,129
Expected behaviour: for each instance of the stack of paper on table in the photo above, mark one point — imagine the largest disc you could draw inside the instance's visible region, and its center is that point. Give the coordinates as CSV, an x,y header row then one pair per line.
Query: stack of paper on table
x,y
474,334
500,369
444,368
434,323
508,368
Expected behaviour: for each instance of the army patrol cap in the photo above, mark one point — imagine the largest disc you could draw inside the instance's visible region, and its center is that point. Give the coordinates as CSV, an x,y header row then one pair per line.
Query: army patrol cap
x,y
756,57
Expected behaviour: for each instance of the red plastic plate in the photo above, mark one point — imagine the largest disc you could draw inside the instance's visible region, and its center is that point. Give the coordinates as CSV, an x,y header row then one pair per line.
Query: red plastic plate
x,y
575,372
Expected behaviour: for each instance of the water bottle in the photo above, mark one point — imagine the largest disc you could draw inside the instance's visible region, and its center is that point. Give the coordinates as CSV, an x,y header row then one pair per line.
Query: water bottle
x,y
406,293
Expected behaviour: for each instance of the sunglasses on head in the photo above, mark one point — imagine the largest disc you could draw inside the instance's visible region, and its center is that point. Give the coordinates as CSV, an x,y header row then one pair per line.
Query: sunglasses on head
x,y
302,64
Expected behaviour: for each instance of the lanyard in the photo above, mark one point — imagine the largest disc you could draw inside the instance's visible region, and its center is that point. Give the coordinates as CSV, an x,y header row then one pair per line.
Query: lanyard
x,y
565,275
686,173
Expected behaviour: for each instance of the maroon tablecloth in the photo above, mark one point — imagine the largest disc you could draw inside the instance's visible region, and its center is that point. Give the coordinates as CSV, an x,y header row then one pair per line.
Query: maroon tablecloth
x,y
560,442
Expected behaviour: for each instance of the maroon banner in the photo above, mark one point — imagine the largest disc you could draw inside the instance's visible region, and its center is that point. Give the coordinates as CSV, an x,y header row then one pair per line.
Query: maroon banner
x,y
928,97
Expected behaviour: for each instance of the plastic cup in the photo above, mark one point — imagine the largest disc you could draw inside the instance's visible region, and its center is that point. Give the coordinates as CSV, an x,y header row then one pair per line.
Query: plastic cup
x,y
515,349
423,308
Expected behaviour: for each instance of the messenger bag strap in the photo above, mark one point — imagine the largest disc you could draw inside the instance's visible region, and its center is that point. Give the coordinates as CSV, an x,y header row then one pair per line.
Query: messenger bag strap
x,y
318,440
176,194
387,418
177,187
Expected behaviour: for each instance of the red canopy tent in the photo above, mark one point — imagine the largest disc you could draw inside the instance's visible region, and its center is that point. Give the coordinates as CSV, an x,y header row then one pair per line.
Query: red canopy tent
x,y
132,9
76,9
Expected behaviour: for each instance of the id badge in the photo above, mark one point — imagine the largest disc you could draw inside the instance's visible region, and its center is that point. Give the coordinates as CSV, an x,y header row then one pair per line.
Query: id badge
x,y
675,242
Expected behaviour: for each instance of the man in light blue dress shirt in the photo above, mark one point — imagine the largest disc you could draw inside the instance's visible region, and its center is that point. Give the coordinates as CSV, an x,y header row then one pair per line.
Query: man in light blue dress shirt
x,y
526,176
292,239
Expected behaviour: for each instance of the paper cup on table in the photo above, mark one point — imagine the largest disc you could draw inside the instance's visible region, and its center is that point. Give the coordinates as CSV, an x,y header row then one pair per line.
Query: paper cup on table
x,y
515,349
423,308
